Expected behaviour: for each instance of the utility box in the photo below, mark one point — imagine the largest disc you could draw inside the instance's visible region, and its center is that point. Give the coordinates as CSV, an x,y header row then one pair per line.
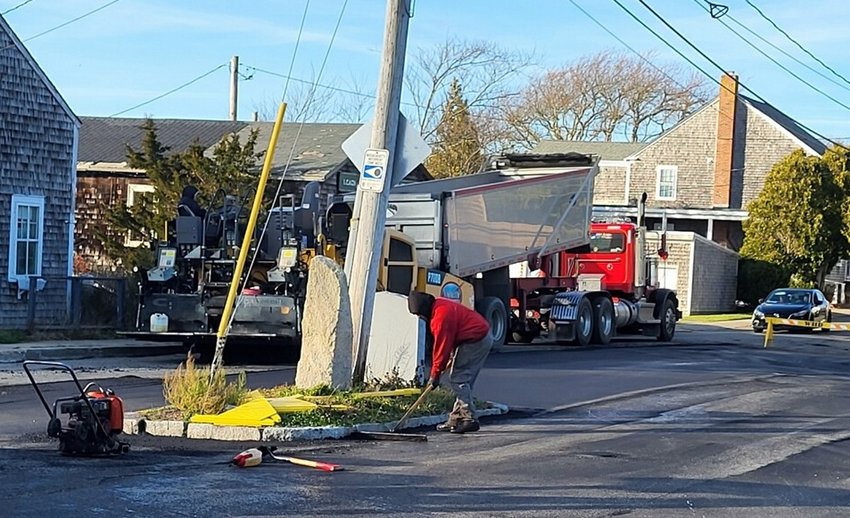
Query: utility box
x,y
396,341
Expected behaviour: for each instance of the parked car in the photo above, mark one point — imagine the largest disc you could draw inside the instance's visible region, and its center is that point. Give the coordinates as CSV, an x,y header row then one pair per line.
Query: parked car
x,y
795,303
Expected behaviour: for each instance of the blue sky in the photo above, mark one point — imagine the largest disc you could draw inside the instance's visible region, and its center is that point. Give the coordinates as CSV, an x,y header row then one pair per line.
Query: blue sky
x,y
135,50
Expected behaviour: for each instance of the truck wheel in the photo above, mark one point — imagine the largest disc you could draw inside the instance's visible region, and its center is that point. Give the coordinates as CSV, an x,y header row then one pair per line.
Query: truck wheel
x,y
584,323
493,309
603,321
667,326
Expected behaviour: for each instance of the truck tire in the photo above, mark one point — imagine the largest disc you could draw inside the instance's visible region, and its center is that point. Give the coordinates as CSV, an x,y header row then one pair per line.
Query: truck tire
x,y
603,321
667,326
493,309
584,324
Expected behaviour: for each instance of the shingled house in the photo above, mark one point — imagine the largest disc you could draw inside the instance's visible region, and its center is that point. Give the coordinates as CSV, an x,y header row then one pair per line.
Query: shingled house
x,y
105,179
701,174
38,146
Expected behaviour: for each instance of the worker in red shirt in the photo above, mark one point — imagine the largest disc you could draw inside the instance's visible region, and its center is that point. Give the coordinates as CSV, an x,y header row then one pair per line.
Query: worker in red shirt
x,y
464,335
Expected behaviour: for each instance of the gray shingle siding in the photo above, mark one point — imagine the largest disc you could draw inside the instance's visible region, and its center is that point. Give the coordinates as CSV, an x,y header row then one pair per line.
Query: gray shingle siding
x,y
688,146
37,137
760,142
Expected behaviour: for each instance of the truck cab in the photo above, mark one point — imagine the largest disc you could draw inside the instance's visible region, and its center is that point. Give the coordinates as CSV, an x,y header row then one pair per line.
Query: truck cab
x,y
611,257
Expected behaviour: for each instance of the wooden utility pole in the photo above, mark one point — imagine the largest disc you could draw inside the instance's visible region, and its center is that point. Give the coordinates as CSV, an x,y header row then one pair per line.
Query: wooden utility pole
x,y
234,85
369,216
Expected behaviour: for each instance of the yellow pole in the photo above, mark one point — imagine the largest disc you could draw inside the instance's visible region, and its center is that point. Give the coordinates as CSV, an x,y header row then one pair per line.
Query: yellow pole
x,y
768,333
221,336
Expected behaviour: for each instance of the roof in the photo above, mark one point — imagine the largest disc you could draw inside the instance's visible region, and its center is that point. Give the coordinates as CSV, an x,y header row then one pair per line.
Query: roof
x,y
318,149
788,124
604,150
38,70
105,139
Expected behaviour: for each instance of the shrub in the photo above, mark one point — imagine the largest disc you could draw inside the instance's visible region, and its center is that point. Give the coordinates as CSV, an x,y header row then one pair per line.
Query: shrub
x,y
757,278
189,390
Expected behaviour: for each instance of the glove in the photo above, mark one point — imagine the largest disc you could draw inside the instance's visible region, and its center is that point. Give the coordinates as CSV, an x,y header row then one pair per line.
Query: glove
x,y
433,383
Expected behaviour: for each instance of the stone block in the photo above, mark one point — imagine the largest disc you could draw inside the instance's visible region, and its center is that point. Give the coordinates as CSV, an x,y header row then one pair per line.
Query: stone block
x,y
165,428
235,433
131,425
326,344
199,431
287,434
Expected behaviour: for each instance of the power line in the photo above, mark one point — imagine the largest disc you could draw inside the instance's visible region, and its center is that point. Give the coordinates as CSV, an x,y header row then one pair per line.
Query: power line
x,y
294,146
638,54
777,63
708,58
48,31
795,42
184,85
787,54
7,11
295,50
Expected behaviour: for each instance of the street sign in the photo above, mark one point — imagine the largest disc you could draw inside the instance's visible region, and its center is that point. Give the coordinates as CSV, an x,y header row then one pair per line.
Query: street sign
x,y
374,174
347,181
410,149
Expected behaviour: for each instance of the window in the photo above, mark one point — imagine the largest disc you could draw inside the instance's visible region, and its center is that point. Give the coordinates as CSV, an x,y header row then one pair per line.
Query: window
x,y
26,237
665,184
607,242
135,191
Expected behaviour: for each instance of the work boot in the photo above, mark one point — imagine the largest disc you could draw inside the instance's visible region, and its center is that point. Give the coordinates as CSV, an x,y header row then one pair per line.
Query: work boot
x,y
445,427
467,425
448,425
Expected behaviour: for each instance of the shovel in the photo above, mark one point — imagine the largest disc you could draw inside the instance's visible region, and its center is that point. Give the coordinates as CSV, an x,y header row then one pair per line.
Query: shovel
x,y
393,434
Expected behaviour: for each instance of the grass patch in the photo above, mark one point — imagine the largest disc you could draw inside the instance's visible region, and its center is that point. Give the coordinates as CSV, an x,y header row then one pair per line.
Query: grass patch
x,y
718,317
188,389
360,410
12,336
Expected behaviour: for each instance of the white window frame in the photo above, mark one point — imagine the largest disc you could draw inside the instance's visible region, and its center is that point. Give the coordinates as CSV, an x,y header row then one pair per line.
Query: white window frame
x,y
18,201
658,170
132,190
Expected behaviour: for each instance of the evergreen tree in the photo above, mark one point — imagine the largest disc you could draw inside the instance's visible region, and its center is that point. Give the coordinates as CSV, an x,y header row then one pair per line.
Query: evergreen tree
x,y
228,170
457,150
796,222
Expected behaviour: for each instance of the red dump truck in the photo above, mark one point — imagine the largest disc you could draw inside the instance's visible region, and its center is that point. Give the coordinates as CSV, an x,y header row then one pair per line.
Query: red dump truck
x,y
458,238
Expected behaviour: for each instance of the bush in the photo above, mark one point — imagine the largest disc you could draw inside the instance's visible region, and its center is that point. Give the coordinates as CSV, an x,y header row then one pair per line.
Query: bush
x,y
757,278
189,390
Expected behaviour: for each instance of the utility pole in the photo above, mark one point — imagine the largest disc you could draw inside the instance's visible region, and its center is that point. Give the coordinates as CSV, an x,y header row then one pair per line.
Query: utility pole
x,y
234,85
369,218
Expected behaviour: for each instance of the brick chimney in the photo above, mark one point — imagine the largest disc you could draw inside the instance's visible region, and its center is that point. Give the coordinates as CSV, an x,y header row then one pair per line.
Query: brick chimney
x,y
726,106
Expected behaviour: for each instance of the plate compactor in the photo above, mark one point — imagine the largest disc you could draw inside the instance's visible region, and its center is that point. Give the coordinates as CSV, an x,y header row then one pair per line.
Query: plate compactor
x,y
95,416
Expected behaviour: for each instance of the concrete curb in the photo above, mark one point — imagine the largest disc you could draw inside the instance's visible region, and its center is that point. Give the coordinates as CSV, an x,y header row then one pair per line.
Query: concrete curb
x,y
21,352
135,424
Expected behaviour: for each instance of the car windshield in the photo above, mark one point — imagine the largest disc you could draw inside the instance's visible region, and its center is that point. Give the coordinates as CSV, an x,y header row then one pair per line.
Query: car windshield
x,y
789,297
607,242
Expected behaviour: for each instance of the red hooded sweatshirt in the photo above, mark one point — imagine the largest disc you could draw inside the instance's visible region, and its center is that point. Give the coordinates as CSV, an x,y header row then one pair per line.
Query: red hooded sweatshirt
x,y
453,324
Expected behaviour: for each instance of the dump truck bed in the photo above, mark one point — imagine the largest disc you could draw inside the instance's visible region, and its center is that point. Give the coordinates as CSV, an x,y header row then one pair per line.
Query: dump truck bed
x,y
484,221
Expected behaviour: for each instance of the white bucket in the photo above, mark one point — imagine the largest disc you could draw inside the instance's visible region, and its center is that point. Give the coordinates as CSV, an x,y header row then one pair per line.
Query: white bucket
x,y
159,323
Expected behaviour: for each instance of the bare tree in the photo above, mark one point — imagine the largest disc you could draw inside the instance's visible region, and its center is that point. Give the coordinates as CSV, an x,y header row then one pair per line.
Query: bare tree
x,y
355,104
602,96
306,101
489,75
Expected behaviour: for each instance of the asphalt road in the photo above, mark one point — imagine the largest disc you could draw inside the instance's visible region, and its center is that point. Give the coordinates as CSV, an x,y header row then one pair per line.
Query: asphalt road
x,y
714,425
